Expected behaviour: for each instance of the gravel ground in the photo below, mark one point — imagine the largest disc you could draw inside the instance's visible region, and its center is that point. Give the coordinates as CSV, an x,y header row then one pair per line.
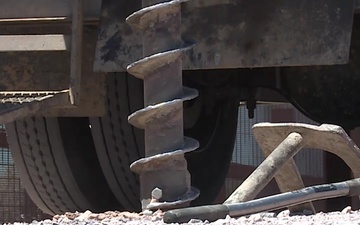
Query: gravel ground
x,y
345,217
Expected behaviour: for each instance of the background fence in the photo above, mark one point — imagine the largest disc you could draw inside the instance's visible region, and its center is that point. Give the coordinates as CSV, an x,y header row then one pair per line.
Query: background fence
x,y
15,204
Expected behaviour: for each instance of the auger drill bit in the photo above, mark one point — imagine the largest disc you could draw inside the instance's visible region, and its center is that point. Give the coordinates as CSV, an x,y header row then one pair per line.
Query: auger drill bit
x,y
164,178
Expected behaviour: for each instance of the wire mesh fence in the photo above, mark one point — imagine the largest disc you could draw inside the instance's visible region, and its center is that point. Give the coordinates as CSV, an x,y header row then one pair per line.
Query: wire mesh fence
x,y
15,204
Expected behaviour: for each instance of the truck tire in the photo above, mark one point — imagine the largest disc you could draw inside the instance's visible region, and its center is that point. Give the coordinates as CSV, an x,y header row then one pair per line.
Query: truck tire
x,y
58,166
118,144
208,166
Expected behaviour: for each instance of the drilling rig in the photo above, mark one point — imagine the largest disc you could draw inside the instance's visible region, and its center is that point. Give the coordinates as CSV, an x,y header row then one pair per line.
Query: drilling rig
x,y
132,105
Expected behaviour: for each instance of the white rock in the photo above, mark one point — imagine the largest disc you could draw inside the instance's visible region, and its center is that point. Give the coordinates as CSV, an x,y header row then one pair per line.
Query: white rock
x,y
146,212
255,217
84,216
284,213
347,209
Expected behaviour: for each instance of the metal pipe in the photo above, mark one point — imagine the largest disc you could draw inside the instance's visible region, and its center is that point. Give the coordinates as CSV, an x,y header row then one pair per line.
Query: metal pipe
x,y
214,212
263,174
289,199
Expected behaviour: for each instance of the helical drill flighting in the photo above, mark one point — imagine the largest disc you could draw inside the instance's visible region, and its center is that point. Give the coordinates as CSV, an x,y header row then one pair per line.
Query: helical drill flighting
x,y
164,167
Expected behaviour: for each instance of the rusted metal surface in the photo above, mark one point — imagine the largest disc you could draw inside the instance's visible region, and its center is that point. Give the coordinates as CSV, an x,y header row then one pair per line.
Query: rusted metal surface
x,y
266,171
164,166
76,51
328,94
238,33
34,71
326,137
45,8
110,45
50,71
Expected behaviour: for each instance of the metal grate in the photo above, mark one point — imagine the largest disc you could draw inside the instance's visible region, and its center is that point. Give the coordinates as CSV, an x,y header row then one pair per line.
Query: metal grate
x,y
26,97
247,151
230,185
15,204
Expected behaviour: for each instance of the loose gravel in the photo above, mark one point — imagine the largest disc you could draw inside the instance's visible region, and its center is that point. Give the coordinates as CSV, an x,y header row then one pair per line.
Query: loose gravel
x,y
345,217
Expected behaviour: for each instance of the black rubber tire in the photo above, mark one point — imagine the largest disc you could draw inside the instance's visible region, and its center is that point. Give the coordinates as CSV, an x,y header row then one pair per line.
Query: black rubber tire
x,y
58,165
216,132
119,144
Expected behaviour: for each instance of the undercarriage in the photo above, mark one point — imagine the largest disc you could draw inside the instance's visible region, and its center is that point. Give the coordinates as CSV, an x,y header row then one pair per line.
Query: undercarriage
x,y
142,96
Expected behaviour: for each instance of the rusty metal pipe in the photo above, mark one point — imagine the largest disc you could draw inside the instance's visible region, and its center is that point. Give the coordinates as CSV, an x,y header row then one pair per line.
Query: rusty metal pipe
x,y
263,174
214,212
